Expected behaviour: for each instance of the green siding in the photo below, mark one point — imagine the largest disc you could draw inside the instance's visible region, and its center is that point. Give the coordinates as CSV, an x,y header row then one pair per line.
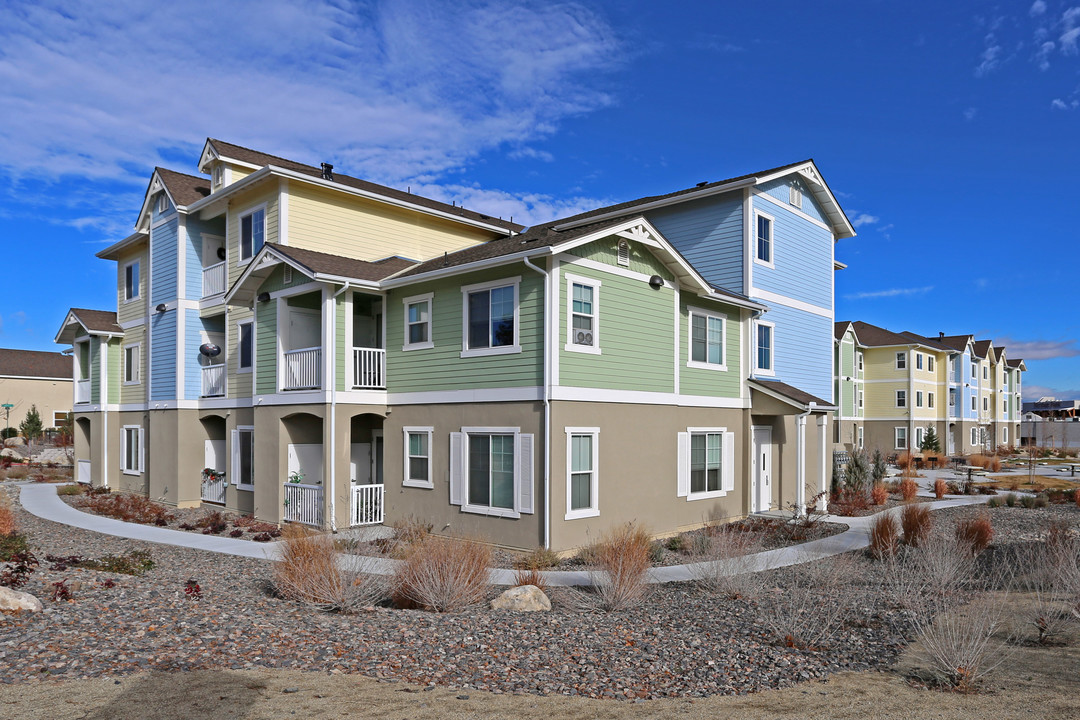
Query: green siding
x,y
442,367
342,354
114,370
641,258
276,280
699,381
266,348
95,369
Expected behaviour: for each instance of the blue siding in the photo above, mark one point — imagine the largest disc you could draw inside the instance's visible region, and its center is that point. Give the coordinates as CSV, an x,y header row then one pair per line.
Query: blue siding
x,y
802,258
155,215
193,260
163,356
971,389
781,190
709,234
163,260
192,340
803,349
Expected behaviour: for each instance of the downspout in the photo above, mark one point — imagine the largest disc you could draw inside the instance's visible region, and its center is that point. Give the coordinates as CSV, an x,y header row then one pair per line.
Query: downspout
x,y
333,409
103,388
800,457
547,402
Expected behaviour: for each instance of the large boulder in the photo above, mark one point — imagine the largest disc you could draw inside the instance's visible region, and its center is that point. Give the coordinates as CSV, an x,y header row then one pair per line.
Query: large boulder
x,y
524,598
15,601
14,441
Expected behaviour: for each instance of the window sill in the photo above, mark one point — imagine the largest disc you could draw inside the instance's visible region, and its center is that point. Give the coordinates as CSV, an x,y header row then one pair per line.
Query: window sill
x,y
762,263
494,512
706,366
249,488
579,514
418,484
691,497
764,373
418,346
131,472
243,371
584,349
131,382
482,352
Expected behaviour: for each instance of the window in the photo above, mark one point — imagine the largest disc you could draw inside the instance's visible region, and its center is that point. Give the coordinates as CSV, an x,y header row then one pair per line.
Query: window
x,y
162,203
764,253
861,444
252,233
418,457
764,355
952,398
708,337
583,307
920,433
974,404
900,437
918,398
418,322
131,454
930,363
1005,406
974,370
131,281
490,318
286,275
131,364
860,399
244,457
859,357
246,345
1004,436
60,418
986,373
706,463
795,195
986,404
491,471
930,399
582,453
901,360
624,253
918,361
974,436
901,398
219,176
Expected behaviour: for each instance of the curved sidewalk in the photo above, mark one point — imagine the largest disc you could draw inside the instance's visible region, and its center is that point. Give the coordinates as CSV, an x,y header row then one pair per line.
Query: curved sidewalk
x,y
41,500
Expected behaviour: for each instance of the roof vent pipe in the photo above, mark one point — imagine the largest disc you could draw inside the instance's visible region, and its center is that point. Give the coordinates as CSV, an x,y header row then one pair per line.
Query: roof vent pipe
x,y
941,335
327,171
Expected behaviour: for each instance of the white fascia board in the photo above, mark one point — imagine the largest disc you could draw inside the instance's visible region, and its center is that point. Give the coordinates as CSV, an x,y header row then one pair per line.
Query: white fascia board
x,y
120,245
215,198
738,302
789,401
510,259
836,214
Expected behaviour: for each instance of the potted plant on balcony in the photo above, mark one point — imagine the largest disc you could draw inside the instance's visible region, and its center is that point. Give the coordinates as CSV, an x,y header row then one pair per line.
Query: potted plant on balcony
x,y
210,475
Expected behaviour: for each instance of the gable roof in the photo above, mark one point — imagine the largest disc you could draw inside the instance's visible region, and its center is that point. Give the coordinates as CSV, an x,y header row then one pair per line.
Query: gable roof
x,y
956,342
183,189
927,341
790,394
874,336
94,322
1017,363
35,363
840,329
983,348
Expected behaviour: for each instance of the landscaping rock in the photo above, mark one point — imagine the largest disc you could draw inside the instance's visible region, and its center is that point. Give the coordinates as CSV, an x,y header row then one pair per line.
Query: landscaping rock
x,y
13,601
14,441
524,598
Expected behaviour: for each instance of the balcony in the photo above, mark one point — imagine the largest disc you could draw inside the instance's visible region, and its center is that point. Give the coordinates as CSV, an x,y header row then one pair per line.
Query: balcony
x,y
302,369
367,504
304,503
369,368
82,391
213,279
213,380
213,489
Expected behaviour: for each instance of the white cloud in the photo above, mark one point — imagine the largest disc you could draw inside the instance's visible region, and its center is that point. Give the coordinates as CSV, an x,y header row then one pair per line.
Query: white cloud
x,y
989,58
530,153
390,91
893,292
858,219
524,208
1042,55
1038,349
970,113
1058,104
1037,8
1070,31
1035,392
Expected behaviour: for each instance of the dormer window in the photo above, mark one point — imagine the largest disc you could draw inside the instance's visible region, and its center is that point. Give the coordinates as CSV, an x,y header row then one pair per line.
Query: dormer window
x,y
795,196
219,176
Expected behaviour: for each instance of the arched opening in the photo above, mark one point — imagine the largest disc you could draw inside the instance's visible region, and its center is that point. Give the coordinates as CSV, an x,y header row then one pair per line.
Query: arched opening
x,y
215,461
304,493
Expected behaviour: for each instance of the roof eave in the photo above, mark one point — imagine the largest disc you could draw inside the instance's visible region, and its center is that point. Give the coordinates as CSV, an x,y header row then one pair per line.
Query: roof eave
x,y
113,251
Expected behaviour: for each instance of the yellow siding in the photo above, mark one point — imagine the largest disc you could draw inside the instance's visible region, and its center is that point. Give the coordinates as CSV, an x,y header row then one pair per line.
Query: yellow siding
x,y
134,393
340,224
238,384
128,311
880,364
241,205
239,173
880,399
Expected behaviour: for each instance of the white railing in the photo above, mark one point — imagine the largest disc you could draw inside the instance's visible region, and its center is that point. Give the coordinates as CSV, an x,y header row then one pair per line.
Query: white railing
x,y
302,369
213,279
304,503
83,475
369,368
213,380
82,391
213,490
367,504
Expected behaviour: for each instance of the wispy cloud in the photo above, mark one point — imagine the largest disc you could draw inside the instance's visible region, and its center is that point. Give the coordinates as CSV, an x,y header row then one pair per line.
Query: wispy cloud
x,y
1034,392
1038,349
990,57
893,292
858,219
717,43
1070,31
1037,8
970,113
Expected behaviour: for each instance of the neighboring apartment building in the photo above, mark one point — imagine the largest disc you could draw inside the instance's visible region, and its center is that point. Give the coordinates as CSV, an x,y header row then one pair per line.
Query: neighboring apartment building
x,y
35,378
347,353
891,387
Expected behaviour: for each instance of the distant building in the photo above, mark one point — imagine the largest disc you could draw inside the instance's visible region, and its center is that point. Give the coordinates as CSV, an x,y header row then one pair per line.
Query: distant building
x,y
1049,407
33,377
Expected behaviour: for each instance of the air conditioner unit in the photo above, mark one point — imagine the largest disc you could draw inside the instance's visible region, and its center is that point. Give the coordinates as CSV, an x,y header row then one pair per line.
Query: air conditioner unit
x,y
583,338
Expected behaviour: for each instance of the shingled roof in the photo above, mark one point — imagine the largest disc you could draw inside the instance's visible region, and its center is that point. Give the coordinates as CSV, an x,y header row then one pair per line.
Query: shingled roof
x,y
338,265
956,342
34,363
982,348
100,321
929,342
874,336
254,157
791,393
184,189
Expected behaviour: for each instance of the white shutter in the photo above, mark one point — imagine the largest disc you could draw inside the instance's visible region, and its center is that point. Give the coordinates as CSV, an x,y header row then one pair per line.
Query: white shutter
x,y
728,471
524,457
684,464
142,455
235,456
457,468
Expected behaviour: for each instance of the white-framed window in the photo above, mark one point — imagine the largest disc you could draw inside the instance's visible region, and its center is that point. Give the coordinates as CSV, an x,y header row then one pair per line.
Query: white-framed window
x,y
706,463
918,361
162,203
491,471
974,436
219,176
861,439
986,373
418,457
860,399
986,404
1004,436
901,398
974,370
795,195
918,398
583,310
1005,406
243,452
952,398
763,239
131,281
707,335
252,233
131,454
490,318
624,253
859,358
418,322
246,354
929,399
60,418
286,275
764,348
974,404
582,472
930,363
131,363
920,433
900,438
901,360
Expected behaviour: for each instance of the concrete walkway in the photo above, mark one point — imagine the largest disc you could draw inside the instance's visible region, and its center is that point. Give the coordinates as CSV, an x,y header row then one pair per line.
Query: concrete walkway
x,y
41,500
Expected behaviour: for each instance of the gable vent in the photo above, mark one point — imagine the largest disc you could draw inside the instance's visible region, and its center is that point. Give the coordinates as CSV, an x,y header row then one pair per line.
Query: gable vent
x,y
287,275
624,253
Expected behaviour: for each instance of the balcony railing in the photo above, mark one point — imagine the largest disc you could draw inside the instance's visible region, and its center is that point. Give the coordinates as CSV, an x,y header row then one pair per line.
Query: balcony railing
x,y
213,279
369,368
213,490
304,503
302,369
82,391
213,380
367,504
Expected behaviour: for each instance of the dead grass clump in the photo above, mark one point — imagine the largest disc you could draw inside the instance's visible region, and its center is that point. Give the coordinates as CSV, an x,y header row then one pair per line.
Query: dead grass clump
x,y
539,559
8,527
17,473
530,576
309,573
444,574
986,462
129,508
884,536
908,488
940,487
905,460
879,494
619,567
960,642
974,534
410,530
915,521
726,565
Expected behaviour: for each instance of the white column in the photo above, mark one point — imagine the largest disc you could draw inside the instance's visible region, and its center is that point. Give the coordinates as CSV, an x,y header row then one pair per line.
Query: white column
x,y
823,469
800,462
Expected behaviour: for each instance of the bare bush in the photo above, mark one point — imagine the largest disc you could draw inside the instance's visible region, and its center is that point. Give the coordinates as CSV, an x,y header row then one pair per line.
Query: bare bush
x,y
8,526
795,615
975,534
726,565
1051,573
884,535
916,522
310,573
619,570
444,574
943,564
530,576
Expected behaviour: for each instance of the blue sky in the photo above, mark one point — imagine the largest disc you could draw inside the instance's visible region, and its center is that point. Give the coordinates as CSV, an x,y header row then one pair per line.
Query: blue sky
x,y
947,130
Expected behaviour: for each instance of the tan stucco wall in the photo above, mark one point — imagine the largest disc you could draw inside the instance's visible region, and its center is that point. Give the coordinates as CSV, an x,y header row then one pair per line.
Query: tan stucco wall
x,y
51,395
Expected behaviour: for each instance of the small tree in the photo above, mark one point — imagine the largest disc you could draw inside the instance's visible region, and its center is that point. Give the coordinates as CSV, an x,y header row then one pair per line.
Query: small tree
x,y
930,441
878,468
31,428
858,472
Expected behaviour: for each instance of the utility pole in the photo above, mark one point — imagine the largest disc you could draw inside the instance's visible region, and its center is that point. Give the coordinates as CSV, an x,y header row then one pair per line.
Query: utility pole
x,y
7,415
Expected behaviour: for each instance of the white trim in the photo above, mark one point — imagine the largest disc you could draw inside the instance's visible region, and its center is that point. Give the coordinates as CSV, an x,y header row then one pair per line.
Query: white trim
x,y
571,346
466,506
896,438
896,399
138,364
249,487
241,261
771,262
124,468
554,329
690,362
466,351
748,249
692,496
137,322
283,212
569,259
644,397
429,298
677,374
250,369
138,290
37,377
417,430
793,209
594,482
771,370
479,395
776,299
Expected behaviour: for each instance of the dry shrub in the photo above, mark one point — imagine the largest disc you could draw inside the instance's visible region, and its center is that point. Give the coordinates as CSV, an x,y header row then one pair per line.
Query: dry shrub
x,y
905,460
940,487
309,573
879,494
8,527
1076,497
960,642
915,521
974,534
884,536
1051,572
530,576
620,565
995,464
444,574
129,508
795,616
539,559
986,462
908,488
726,565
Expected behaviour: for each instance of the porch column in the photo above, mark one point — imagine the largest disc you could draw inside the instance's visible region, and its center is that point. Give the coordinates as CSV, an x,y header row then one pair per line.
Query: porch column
x,y
823,465
800,462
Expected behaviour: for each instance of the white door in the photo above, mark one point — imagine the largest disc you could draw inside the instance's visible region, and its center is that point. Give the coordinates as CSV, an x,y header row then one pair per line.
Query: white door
x,y
951,449
304,329
214,454
761,493
307,460
360,463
